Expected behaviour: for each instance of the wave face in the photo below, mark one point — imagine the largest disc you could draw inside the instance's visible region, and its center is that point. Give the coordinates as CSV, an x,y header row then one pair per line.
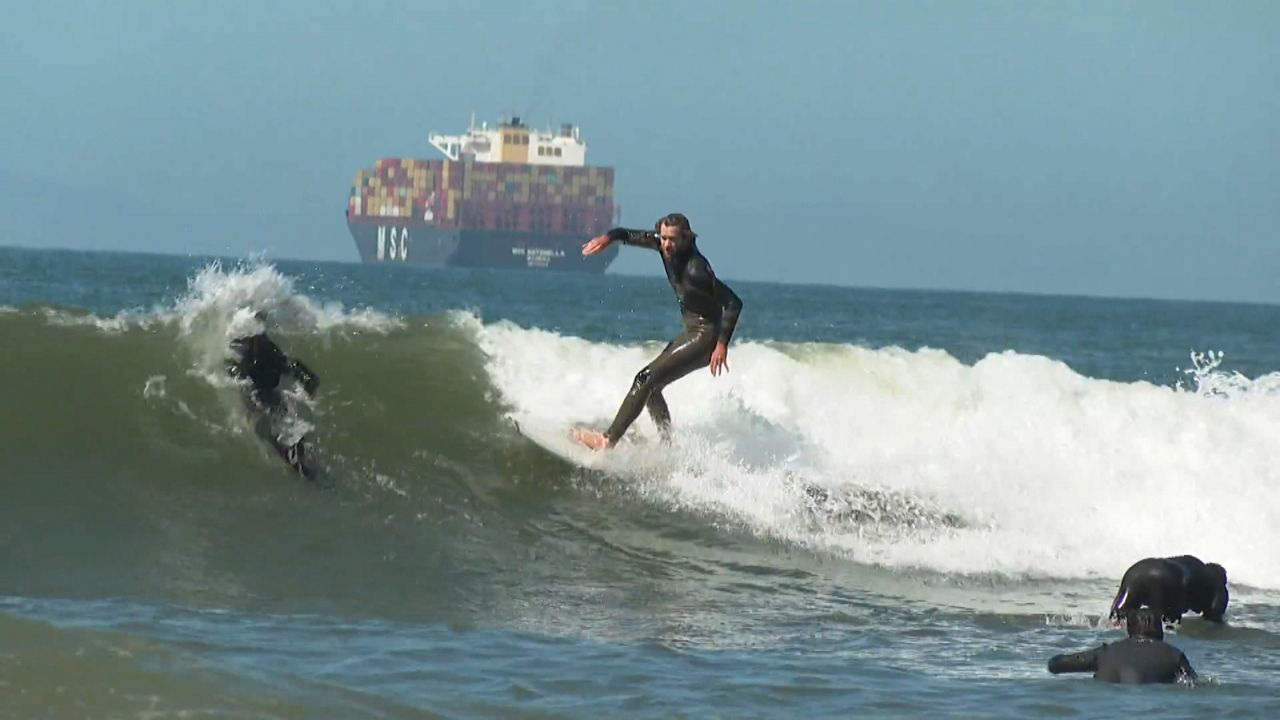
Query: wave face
x,y
869,494
133,469
1014,465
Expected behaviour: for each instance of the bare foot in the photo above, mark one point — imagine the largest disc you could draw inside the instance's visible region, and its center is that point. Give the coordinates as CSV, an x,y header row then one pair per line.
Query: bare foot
x,y
592,439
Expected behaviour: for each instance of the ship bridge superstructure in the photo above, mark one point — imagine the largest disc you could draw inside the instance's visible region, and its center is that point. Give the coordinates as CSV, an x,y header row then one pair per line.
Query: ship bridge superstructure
x,y
514,142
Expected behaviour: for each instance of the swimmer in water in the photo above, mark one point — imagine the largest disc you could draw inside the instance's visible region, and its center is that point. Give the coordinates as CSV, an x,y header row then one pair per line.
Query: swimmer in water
x,y
1143,657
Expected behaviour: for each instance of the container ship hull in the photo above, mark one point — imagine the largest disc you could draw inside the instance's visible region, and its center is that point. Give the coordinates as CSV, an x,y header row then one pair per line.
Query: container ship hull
x,y
426,244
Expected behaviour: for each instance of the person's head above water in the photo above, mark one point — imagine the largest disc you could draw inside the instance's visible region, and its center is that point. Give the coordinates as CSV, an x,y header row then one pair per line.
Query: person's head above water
x,y
1144,623
674,233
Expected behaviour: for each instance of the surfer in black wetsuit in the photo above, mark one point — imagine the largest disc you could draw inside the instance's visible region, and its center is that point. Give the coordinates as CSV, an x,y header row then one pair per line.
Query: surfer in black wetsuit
x,y
1173,586
1143,657
257,359
708,308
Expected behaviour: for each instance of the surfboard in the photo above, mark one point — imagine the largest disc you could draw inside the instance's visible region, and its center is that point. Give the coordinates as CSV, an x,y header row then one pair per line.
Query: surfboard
x,y
558,440
630,455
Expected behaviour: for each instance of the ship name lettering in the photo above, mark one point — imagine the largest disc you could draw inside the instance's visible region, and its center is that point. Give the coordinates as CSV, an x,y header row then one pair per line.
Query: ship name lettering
x,y
394,247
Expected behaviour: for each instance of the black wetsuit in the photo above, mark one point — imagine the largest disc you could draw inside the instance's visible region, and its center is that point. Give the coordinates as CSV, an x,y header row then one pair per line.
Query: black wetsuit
x,y
262,362
709,310
1133,660
1173,586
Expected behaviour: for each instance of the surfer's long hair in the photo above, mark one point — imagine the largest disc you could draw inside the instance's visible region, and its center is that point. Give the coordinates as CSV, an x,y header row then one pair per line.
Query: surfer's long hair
x,y
680,221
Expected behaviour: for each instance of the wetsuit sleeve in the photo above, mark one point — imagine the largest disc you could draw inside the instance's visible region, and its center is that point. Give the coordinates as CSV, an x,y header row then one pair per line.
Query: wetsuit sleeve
x,y
638,238
235,363
310,381
700,275
1086,661
1218,606
1185,669
732,305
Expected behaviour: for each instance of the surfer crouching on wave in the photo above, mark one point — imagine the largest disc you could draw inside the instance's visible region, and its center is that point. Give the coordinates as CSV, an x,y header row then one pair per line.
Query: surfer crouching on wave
x,y
708,308
257,359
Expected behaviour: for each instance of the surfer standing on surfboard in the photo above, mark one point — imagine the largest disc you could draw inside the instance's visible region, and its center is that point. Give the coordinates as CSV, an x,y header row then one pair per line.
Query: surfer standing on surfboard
x,y
708,308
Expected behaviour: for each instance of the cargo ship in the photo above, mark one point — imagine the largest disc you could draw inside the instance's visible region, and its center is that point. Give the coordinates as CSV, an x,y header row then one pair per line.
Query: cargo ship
x,y
501,197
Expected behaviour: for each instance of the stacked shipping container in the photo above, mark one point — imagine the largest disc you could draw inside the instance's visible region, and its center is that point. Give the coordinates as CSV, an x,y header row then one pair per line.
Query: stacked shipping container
x,y
395,188
486,196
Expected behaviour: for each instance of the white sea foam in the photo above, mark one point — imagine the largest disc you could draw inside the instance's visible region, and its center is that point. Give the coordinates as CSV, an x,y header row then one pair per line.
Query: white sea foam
x,y
220,304
1014,465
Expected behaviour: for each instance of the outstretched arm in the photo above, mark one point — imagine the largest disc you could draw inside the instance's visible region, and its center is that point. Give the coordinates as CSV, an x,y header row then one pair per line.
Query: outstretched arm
x,y
235,364
310,381
1120,605
1185,669
638,238
1086,661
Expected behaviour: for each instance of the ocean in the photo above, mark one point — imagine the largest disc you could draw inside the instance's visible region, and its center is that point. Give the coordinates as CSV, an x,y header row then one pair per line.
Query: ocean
x,y
896,503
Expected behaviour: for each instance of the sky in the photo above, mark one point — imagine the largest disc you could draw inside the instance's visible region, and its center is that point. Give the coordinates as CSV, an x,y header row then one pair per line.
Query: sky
x,y
1115,148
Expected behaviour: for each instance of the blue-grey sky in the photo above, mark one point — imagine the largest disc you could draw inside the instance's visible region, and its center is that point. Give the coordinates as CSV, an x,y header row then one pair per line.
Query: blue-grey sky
x,y
1102,148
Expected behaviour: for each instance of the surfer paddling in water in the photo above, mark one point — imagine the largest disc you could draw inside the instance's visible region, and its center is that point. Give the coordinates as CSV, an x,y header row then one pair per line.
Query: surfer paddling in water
x,y
708,308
